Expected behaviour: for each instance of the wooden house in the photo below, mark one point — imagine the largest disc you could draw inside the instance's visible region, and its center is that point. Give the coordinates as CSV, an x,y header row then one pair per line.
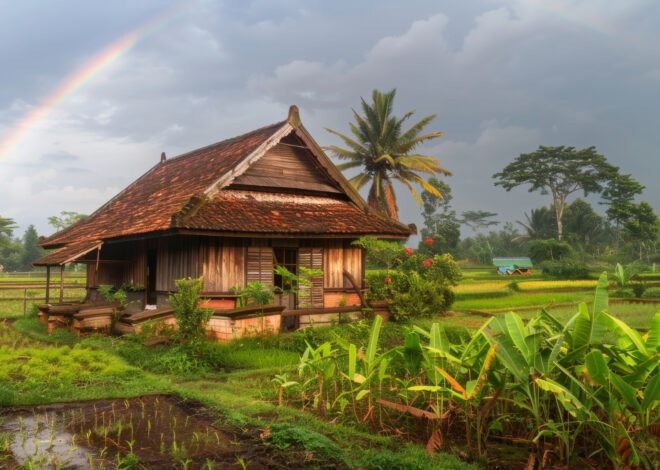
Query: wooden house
x,y
229,212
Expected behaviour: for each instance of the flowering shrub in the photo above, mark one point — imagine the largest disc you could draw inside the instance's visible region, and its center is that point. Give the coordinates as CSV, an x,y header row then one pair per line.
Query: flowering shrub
x,y
415,286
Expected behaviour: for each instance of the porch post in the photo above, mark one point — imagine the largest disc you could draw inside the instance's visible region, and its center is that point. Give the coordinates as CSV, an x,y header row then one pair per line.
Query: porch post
x,y
61,283
47,284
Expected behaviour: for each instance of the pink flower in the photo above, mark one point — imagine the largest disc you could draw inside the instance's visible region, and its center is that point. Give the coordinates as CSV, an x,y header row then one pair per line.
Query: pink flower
x,y
429,241
410,251
387,280
427,262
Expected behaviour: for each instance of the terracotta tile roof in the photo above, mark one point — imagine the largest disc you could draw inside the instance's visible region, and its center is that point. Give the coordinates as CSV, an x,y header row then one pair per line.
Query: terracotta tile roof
x,y
67,253
148,204
258,212
187,192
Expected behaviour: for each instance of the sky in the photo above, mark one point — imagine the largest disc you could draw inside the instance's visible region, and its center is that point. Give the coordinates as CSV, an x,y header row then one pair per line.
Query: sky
x,y
92,92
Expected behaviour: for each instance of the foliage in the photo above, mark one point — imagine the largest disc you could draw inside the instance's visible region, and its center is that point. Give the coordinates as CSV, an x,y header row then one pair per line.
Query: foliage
x,y
285,435
191,320
380,253
440,222
385,152
643,228
549,250
297,284
560,171
618,196
65,219
477,220
580,387
31,250
652,293
378,287
565,269
412,294
258,294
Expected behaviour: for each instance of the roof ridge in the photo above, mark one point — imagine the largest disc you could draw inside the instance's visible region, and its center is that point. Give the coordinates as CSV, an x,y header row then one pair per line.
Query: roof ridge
x,y
191,153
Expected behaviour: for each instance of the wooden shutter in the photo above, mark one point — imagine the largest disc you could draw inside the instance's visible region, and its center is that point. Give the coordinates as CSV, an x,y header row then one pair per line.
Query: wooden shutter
x,y
260,264
311,258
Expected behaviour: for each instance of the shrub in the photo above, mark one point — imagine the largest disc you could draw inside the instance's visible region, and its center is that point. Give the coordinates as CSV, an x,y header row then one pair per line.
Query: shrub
x,y
413,295
622,293
652,293
638,288
377,285
565,269
190,318
552,250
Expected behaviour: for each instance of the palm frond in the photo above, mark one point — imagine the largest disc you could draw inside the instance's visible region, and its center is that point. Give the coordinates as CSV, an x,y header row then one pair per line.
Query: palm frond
x,y
347,165
348,141
360,180
411,188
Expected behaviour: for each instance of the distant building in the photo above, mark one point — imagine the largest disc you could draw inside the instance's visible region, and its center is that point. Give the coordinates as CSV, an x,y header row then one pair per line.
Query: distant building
x,y
513,266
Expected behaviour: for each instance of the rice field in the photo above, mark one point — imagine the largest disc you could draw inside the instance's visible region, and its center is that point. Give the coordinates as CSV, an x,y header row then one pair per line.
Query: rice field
x,y
550,285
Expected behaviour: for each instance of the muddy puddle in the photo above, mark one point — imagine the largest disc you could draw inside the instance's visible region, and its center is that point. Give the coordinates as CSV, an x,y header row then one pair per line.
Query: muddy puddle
x,y
153,432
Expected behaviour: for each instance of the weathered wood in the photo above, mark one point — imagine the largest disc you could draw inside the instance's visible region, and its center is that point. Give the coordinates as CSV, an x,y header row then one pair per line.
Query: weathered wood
x,y
61,283
356,287
147,315
284,166
319,311
250,310
47,284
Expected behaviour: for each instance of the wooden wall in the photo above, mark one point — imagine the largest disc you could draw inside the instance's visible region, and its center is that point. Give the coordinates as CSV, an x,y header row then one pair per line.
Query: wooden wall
x,y
221,261
338,256
289,167
124,263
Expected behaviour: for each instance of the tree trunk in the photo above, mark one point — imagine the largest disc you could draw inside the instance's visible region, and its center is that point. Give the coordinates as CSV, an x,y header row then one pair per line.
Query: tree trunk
x,y
372,200
559,213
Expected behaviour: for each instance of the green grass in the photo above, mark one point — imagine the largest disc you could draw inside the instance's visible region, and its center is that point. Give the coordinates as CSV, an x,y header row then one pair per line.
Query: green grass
x,y
14,308
521,299
32,372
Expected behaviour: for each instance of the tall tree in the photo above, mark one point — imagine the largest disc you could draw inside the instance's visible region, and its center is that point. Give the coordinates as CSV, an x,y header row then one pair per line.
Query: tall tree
x,y
643,228
618,196
385,152
582,222
65,219
10,249
31,249
477,220
538,225
560,171
440,223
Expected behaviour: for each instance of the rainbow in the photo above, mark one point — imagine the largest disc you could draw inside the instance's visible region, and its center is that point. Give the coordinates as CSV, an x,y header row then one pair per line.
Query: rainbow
x,y
99,63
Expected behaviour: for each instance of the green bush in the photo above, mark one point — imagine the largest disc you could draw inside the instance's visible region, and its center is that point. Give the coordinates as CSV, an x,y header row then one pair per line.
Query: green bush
x,y
413,295
652,293
549,250
191,320
622,294
565,269
377,285
638,288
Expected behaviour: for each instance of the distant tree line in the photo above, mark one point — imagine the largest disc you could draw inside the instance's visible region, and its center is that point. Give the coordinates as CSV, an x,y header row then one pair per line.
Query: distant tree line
x,y
18,253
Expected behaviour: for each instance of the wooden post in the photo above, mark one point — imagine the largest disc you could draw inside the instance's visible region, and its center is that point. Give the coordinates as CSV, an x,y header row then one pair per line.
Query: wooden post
x,y
61,283
25,301
47,284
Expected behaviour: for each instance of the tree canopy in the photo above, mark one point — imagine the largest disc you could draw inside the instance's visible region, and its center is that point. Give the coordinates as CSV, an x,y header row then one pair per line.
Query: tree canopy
x,y
560,171
65,219
386,152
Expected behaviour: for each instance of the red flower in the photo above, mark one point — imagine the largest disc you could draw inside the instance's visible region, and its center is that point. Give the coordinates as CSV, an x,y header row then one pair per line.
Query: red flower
x,y
427,262
410,251
387,280
429,241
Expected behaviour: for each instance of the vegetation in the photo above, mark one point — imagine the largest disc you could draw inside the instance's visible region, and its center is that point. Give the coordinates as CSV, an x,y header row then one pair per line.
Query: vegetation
x,y
191,319
535,370
560,171
385,152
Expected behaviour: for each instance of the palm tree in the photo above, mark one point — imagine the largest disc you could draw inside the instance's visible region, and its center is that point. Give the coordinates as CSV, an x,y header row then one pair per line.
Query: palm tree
x,y
385,153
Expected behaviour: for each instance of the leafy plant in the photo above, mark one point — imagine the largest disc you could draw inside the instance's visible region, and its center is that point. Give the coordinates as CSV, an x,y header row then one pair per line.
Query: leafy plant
x,y
191,320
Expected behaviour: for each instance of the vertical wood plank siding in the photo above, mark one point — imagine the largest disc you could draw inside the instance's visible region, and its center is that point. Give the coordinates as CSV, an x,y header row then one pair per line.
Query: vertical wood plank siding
x,y
224,262
259,264
311,258
339,255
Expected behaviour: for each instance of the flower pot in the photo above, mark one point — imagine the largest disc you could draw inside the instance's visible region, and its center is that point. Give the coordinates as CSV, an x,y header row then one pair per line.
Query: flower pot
x,y
381,308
